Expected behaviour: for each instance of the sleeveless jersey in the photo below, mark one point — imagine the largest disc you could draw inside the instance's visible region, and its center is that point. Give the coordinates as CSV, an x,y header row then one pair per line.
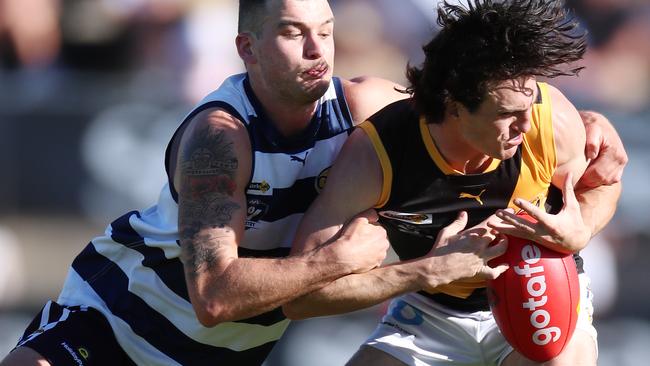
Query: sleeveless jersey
x,y
422,194
133,274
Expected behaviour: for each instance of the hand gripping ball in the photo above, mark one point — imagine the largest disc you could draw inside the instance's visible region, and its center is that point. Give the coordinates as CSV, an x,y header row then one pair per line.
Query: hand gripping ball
x,y
536,301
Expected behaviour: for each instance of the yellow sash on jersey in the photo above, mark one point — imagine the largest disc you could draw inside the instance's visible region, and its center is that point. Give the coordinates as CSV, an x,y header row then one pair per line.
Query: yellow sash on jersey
x,y
537,168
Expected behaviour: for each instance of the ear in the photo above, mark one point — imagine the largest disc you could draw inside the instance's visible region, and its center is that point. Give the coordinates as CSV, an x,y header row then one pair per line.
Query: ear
x,y
244,43
453,108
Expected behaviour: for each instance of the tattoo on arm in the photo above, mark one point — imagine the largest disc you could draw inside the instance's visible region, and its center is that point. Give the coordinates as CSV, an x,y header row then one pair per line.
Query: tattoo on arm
x,y
208,165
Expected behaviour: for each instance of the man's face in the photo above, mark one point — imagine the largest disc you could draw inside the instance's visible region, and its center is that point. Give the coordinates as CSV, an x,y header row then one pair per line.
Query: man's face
x,y
296,48
496,129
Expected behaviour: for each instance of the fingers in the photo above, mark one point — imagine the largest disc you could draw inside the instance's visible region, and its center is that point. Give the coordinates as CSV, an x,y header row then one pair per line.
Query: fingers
x,y
532,210
594,140
568,193
497,249
491,273
452,229
514,225
517,221
593,177
485,224
370,215
457,225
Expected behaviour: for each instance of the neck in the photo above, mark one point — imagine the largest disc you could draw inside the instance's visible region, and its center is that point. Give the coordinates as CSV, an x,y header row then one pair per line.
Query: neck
x,y
455,150
288,116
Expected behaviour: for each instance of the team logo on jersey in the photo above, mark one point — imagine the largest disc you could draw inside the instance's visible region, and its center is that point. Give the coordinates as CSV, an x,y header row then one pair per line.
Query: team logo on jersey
x,y
477,197
262,186
256,209
321,180
411,218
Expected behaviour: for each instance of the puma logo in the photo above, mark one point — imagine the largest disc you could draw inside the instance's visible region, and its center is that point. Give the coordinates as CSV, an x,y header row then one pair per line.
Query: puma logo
x,y
299,159
477,197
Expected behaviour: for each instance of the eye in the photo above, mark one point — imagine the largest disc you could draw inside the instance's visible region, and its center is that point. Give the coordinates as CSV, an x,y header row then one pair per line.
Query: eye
x,y
292,35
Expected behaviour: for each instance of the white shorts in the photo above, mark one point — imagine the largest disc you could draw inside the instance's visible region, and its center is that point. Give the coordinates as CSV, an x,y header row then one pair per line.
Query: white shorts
x,y
420,332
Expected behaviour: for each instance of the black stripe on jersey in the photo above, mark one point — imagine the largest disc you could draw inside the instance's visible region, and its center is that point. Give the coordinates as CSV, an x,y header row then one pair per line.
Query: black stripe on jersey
x,y
288,201
112,287
123,233
170,271
343,111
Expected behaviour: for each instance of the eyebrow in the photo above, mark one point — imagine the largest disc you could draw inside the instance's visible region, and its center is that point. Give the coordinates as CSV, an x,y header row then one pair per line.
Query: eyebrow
x,y
513,110
291,23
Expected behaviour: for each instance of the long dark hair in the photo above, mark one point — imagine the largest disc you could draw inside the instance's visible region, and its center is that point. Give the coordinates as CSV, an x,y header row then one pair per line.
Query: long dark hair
x,y
489,41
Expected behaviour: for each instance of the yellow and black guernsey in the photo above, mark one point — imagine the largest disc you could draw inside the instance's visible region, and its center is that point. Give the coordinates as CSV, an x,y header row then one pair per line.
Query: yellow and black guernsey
x,y
422,194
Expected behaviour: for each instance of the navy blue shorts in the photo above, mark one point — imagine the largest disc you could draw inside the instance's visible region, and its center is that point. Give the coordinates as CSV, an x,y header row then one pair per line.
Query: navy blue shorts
x,y
73,335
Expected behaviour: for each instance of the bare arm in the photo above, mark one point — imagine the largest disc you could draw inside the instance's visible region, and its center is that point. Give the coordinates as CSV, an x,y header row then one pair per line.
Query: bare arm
x,y
456,255
585,211
605,151
214,165
367,95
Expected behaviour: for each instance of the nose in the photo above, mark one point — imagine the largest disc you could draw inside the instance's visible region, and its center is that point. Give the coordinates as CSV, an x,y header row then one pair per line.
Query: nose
x,y
523,122
313,47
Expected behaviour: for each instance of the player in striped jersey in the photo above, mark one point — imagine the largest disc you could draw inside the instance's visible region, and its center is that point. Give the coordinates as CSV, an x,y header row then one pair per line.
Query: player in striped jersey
x,y
199,277
480,135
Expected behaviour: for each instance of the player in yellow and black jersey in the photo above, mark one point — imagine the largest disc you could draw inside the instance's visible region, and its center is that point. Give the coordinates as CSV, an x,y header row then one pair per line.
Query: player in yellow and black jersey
x,y
422,193
479,138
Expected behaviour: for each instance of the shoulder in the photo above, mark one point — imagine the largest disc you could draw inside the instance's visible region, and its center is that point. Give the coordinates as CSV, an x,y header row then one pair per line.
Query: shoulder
x,y
567,123
217,138
569,135
393,118
366,95
215,120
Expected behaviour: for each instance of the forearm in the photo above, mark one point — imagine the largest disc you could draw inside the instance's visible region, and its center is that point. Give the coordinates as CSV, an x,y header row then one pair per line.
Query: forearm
x,y
597,205
356,291
250,286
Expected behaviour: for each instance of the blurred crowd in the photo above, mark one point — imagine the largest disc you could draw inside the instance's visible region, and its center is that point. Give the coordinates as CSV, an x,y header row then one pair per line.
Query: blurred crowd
x,y
91,90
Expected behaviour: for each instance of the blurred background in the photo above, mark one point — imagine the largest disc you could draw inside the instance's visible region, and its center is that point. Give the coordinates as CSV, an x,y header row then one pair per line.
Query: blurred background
x,y
91,91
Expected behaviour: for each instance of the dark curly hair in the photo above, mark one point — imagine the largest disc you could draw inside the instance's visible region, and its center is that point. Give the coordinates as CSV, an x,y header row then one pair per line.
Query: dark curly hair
x,y
489,41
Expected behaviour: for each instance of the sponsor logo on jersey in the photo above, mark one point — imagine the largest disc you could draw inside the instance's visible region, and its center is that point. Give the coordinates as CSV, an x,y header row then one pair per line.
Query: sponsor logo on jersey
x,y
72,353
536,288
477,197
83,352
411,218
262,186
319,184
256,209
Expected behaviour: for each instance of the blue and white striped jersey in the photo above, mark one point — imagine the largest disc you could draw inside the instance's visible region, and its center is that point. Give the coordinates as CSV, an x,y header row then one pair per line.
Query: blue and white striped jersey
x,y
133,274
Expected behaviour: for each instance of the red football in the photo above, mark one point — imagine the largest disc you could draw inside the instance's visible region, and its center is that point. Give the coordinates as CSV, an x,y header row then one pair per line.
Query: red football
x,y
535,302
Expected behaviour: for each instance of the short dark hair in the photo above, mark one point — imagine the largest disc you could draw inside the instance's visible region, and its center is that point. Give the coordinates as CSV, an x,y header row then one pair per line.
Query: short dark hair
x,y
489,41
251,14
